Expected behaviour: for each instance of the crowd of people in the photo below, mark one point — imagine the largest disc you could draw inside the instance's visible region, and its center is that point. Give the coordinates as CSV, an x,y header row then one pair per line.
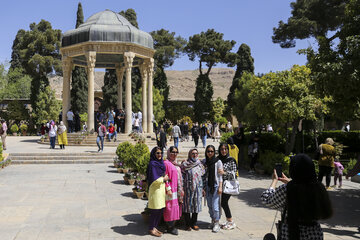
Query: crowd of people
x,y
177,189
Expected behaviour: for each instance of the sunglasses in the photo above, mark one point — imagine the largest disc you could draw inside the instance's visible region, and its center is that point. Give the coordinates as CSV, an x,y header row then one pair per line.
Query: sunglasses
x,y
174,152
209,151
158,153
223,149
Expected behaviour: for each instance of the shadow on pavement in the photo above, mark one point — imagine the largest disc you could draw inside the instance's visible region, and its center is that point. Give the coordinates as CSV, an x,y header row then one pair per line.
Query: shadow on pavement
x,y
112,171
252,197
338,232
135,227
129,194
118,182
31,140
346,209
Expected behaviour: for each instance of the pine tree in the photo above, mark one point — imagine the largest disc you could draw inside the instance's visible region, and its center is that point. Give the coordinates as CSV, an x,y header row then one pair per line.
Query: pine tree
x,y
109,90
79,88
245,62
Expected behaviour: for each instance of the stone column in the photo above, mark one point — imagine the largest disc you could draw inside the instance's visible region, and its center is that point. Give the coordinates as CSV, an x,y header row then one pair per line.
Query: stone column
x,y
66,67
143,71
91,60
150,72
128,60
119,76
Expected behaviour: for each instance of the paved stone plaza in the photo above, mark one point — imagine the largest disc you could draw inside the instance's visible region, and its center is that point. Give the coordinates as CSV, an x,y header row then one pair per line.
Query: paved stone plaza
x,y
90,201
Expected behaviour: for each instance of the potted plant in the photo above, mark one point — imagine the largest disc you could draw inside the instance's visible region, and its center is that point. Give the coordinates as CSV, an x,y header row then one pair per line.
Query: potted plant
x,y
14,129
139,190
23,129
125,152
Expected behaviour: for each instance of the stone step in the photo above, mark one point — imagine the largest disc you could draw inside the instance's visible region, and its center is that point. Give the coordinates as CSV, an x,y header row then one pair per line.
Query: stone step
x,y
81,161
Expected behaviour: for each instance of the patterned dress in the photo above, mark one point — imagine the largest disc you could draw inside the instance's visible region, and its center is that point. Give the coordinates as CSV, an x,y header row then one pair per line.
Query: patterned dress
x,y
276,198
193,186
172,211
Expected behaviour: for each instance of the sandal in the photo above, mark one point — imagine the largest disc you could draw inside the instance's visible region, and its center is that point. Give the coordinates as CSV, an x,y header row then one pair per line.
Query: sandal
x,y
154,233
196,228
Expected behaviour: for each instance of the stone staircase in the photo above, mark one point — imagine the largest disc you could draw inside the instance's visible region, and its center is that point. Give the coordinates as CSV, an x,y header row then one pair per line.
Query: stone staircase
x,y
79,139
61,158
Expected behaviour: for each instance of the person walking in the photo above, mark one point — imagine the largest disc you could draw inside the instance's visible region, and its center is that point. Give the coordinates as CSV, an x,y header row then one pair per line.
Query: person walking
x,y
52,134
326,161
253,152
338,173
70,119
203,134
62,135
162,139
3,130
216,132
176,134
213,186
195,134
156,179
302,200
192,170
174,192
101,132
186,131
228,173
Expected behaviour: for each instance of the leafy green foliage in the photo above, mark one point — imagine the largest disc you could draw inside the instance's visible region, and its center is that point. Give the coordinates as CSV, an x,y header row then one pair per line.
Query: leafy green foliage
x,y
14,128
14,84
17,112
109,90
218,108
142,163
268,159
177,110
187,119
350,165
158,99
312,18
47,106
125,153
225,136
245,63
79,83
203,96
130,15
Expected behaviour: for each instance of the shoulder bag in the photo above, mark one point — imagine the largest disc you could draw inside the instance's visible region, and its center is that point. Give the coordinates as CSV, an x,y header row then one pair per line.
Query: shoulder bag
x,y
231,187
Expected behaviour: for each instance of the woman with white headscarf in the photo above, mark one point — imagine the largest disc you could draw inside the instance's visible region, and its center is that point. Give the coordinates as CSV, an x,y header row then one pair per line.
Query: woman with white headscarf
x,y
62,135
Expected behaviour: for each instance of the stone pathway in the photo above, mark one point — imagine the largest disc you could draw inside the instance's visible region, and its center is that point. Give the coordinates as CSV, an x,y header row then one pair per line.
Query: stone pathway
x,y
90,201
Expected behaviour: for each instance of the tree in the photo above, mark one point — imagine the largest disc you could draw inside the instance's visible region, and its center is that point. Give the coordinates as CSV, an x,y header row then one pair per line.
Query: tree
x,y
109,90
130,15
15,55
310,18
158,108
245,63
39,55
218,109
203,95
16,111
79,84
210,49
48,107
168,48
285,98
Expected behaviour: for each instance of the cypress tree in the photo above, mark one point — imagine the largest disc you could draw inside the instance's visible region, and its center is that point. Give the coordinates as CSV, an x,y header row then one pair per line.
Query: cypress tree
x,y
109,90
245,63
203,95
79,90
15,55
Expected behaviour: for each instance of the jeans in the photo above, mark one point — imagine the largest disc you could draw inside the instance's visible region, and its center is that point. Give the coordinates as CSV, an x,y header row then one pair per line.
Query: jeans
x,y
204,141
213,201
176,142
52,142
70,126
98,139
110,135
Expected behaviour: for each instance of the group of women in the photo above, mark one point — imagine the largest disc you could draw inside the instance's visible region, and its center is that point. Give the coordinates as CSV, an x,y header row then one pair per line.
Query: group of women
x,y
177,189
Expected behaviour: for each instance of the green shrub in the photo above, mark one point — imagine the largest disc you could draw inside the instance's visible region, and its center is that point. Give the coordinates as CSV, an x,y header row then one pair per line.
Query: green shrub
x,y
140,150
14,128
23,127
271,142
142,163
268,159
185,119
349,166
125,152
225,136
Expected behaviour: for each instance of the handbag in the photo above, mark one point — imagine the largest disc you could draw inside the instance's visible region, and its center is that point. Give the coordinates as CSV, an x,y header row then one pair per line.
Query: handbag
x,y
270,235
231,187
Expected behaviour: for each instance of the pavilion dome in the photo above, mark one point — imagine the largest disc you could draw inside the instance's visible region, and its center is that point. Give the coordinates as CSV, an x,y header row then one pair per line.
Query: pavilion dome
x,y
107,26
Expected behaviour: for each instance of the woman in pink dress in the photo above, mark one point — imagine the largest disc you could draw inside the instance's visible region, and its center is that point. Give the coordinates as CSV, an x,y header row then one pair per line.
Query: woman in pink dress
x,y
174,191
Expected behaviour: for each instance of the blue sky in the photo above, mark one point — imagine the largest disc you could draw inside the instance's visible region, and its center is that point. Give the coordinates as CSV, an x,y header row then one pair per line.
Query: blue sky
x,y
245,21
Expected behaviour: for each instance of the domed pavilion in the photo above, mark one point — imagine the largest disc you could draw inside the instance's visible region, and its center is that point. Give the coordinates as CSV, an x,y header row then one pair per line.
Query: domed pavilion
x,y
108,40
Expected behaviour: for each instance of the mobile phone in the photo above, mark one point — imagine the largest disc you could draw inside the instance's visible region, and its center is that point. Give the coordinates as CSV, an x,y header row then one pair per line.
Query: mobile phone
x,y
278,169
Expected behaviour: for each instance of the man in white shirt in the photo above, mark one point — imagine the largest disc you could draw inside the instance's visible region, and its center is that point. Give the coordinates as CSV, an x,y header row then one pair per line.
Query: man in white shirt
x,y
70,120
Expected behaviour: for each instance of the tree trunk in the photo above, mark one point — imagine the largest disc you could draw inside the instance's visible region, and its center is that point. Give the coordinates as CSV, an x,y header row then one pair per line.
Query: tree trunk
x,y
290,145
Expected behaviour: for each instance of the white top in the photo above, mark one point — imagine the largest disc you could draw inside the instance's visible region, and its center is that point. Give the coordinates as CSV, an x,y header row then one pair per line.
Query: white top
x,y
52,131
70,116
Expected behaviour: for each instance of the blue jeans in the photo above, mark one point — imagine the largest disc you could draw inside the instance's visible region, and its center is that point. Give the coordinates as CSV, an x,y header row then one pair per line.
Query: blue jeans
x,y
213,201
176,142
98,139
52,142
204,141
110,135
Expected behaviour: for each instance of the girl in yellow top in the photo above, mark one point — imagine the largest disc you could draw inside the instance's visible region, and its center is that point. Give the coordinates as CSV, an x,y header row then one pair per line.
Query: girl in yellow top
x,y
156,181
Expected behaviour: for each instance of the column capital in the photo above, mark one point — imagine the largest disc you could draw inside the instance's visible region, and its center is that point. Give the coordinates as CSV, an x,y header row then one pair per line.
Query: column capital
x,y
143,70
90,59
128,59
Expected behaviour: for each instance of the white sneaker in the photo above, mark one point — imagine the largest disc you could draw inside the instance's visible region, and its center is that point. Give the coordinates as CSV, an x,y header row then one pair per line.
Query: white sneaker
x,y
223,224
211,225
216,227
229,226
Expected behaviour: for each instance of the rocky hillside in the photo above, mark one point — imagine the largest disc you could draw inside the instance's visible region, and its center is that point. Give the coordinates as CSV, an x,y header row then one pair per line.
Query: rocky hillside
x,y
182,83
